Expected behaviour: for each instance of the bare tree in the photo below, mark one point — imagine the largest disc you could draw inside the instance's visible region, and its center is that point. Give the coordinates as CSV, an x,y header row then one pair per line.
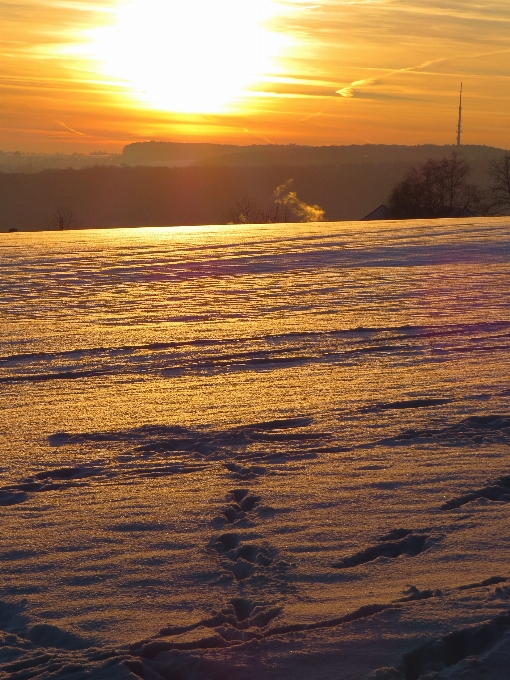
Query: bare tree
x,y
247,211
63,218
436,188
285,205
499,172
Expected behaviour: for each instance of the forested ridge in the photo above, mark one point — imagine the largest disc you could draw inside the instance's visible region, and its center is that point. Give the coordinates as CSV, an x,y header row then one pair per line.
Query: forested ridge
x,y
157,196
204,191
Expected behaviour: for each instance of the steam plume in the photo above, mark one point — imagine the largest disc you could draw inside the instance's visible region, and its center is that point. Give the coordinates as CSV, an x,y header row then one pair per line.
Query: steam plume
x,y
286,195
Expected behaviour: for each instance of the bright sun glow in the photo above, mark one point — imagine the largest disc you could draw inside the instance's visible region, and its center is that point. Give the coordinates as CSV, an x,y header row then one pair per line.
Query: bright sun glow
x,y
191,56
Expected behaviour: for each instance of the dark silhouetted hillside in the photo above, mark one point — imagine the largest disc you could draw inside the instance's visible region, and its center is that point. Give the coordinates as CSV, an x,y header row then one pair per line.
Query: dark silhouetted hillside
x,y
17,161
155,196
150,152
202,193
294,154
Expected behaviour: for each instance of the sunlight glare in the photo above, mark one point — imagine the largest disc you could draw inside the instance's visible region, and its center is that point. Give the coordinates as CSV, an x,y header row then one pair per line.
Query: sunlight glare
x,y
190,56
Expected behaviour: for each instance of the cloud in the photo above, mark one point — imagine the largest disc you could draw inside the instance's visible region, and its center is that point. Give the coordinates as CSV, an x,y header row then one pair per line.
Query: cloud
x,y
395,65
351,90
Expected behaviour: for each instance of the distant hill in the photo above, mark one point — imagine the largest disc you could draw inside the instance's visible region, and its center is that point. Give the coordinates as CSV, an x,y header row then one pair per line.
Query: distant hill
x,y
142,153
181,154
296,155
348,182
17,161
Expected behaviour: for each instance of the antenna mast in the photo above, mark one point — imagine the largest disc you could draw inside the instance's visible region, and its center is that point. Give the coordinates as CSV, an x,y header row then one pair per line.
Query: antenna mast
x,y
459,125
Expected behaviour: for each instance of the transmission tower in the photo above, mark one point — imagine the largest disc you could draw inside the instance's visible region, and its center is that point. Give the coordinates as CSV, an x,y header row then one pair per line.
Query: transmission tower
x,y
459,125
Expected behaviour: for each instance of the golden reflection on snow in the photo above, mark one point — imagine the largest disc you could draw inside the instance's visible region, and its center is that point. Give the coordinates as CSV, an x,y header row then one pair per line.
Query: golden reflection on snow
x,y
118,336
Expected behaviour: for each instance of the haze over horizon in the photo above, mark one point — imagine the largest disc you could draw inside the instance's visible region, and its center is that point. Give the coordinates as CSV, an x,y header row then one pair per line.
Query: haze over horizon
x,y
79,76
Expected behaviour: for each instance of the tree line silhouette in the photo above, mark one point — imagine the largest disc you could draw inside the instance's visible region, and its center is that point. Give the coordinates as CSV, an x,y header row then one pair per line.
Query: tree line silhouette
x,y
441,188
103,197
437,188
211,194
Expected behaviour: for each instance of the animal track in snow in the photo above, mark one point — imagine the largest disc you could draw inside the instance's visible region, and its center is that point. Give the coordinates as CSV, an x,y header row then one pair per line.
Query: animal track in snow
x,y
395,534
499,490
245,472
227,542
493,580
474,430
78,476
75,472
458,647
246,557
242,620
243,502
413,593
47,480
413,403
411,545
454,647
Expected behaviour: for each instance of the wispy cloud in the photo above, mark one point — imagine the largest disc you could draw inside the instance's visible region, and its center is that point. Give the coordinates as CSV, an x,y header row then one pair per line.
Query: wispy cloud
x,y
352,89
384,70
358,88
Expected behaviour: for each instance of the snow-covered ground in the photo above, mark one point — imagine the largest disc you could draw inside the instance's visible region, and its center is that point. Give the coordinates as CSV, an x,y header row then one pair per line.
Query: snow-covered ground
x,y
265,452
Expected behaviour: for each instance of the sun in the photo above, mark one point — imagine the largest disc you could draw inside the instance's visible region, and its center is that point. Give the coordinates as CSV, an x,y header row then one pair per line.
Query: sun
x,y
189,56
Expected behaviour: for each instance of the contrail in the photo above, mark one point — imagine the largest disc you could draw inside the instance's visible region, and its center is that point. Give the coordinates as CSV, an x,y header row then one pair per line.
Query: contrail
x,y
348,91
252,134
82,134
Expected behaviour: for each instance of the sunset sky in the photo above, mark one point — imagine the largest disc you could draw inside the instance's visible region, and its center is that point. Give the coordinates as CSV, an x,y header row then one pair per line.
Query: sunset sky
x,y
97,74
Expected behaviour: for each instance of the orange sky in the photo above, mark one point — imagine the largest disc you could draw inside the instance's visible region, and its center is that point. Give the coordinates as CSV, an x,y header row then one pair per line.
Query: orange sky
x,y
94,75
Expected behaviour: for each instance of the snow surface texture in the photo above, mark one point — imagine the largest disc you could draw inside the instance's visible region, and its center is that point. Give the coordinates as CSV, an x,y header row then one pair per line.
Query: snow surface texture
x,y
256,452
